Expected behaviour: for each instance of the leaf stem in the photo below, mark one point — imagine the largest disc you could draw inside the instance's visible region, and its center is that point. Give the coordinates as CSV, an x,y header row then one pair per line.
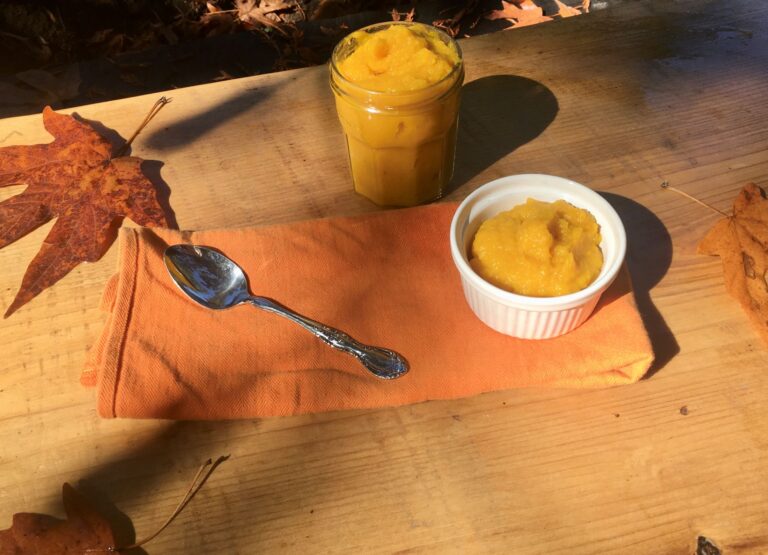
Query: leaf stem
x,y
666,185
162,101
200,478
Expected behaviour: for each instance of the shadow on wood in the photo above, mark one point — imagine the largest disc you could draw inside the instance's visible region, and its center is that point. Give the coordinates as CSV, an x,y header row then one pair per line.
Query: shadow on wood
x,y
649,255
498,114
163,455
187,131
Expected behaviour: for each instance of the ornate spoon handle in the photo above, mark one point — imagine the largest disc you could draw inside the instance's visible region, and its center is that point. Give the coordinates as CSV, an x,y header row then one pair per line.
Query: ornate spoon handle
x,y
383,363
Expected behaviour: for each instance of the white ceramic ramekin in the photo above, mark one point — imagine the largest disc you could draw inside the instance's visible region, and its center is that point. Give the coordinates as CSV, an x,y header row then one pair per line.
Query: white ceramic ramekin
x,y
518,315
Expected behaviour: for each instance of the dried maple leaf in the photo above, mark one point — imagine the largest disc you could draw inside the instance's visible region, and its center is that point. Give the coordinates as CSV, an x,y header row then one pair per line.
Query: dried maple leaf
x,y
741,241
84,530
403,16
566,11
76,180
254,12
520,12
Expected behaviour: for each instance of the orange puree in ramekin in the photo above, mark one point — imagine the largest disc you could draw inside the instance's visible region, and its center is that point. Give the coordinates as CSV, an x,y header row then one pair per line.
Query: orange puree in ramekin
x,y
397,96
539,249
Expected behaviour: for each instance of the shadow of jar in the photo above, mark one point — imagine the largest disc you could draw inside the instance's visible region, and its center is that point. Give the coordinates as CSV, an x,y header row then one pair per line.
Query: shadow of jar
x,y
498,114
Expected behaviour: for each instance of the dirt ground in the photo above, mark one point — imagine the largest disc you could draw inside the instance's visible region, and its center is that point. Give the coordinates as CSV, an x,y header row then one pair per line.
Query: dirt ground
x,y
72,52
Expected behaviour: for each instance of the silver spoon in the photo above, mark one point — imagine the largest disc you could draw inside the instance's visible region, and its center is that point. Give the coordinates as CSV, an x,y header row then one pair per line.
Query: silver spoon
x,y
216,282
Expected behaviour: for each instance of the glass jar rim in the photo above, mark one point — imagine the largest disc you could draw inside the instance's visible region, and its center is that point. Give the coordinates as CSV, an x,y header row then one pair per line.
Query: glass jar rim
x,y
336,75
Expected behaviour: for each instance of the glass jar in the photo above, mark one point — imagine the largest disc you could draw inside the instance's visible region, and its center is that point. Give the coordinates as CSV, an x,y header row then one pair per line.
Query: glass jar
x,y
401,145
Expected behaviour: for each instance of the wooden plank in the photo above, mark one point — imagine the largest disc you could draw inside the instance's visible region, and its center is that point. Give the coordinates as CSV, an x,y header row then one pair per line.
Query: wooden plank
x,y
620,100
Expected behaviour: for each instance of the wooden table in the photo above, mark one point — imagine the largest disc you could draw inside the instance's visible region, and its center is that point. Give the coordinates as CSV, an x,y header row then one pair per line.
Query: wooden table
x,y
621,100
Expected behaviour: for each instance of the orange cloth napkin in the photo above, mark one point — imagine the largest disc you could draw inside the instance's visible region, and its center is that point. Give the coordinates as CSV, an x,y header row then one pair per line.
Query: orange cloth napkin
x,y
385,278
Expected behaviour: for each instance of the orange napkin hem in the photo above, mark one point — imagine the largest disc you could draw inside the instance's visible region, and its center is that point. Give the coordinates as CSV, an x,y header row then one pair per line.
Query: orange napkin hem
x,y
104,363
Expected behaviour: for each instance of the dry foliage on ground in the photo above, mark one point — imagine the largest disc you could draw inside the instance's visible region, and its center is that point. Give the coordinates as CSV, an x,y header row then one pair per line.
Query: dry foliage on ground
x,y
45,33
69,53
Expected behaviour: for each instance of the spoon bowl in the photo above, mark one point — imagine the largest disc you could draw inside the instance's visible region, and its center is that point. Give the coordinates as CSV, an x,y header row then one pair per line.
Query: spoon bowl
x,y
214,281
207,276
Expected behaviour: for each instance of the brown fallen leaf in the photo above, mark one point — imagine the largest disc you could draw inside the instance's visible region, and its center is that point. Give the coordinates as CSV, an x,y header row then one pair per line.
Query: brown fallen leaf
x,y
81,182
85,530
741,242
263,12
217,23
403,16
520,12
566,11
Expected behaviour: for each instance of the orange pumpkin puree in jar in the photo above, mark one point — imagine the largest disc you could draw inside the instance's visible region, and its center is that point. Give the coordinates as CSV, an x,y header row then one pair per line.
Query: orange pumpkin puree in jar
x,y
397,88
539,249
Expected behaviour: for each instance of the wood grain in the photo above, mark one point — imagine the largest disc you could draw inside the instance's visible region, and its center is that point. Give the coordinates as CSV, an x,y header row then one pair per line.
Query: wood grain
x,y
621,100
